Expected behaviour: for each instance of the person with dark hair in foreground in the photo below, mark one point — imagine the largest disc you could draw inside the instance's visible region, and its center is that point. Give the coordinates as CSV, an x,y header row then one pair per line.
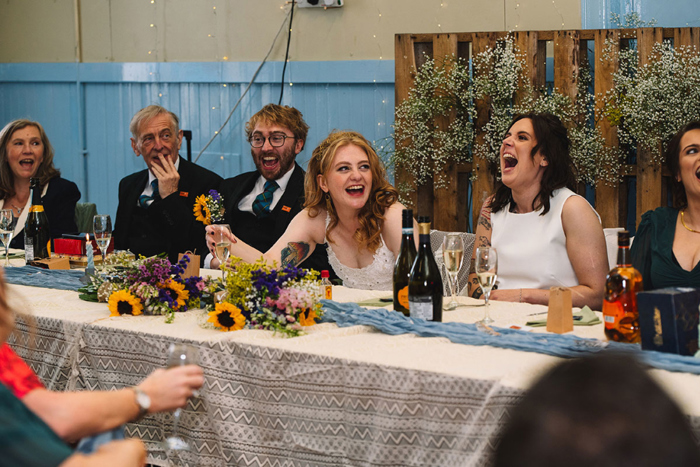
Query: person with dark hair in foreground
x,y
602,411
546,235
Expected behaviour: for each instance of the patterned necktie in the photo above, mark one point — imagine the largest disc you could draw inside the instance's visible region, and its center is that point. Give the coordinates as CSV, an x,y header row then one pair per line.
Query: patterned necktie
x,y
145,200
261,205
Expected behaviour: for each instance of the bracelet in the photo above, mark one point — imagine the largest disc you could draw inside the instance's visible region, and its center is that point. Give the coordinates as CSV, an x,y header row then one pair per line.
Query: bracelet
x,y
520,300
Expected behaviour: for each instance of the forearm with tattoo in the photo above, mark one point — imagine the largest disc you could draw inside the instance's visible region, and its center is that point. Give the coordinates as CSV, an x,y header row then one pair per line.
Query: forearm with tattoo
x,y
294,253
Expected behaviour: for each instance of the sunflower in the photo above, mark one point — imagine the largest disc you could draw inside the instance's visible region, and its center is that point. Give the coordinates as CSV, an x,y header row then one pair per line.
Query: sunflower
x,y
201,210
122,302
226,316
309,318
176,291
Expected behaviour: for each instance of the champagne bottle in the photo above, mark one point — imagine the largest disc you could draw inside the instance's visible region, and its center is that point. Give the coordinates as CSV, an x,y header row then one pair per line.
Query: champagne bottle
x,y
425,285
402,267
620,304
36,230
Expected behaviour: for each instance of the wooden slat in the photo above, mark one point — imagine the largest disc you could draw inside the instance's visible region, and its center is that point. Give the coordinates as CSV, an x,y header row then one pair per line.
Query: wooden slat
x,y
445,201
484,179
404,64
608,196
566,62
689,37
527,44
648,172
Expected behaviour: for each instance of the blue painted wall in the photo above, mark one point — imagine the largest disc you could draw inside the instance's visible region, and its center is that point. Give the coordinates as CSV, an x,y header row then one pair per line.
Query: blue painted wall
x,y
595,14
89,106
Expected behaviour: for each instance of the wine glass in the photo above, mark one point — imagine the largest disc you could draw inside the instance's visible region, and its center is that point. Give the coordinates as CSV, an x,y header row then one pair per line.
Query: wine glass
x,y
453,256
102,227
7,226
487,272
222,245
179,355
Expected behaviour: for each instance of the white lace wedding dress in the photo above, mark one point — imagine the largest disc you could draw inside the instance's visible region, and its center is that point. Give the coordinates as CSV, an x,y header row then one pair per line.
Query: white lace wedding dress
x,y
376,276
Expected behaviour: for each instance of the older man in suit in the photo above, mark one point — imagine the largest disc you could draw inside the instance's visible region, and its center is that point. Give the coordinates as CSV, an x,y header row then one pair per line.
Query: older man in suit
x,y
155,205
261,204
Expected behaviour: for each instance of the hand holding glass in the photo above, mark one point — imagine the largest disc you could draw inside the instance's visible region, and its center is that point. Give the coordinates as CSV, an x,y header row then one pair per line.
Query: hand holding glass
x,y
102,227
487,272
179,355
7,226
453,256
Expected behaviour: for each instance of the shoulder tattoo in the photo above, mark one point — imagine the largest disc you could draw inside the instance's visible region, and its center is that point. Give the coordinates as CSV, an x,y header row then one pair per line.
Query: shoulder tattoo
x,y
294,253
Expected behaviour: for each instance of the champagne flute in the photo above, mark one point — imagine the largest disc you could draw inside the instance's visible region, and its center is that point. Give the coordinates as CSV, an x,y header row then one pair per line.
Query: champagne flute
x,y
453,256
102,227
179,355
7,226
222,245
487,272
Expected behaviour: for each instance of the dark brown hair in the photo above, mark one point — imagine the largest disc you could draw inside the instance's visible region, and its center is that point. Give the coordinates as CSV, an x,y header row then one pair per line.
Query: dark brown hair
x,y
673,155
552,141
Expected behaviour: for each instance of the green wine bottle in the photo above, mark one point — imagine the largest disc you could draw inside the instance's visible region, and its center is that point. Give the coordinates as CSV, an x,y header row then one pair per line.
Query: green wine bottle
x,y
36,231
425,286
404,262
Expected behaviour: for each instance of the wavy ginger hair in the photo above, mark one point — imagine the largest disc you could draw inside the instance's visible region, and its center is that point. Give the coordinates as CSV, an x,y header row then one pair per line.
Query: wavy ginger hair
x,y
382,194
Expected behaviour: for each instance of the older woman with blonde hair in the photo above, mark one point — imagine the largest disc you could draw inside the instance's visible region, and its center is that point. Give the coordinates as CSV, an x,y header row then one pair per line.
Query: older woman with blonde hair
x,y
350,205
25,153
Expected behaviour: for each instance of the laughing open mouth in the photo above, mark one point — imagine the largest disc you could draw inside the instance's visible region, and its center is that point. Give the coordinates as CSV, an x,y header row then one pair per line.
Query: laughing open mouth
x,y
355,189
27,163
697,173
509,161
269,161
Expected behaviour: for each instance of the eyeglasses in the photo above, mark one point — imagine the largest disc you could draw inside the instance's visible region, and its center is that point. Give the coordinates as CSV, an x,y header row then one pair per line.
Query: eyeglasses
x,y
276,140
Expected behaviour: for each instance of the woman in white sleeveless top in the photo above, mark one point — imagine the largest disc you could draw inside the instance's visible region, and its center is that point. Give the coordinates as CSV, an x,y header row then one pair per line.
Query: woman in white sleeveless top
x,y
545,234
351,205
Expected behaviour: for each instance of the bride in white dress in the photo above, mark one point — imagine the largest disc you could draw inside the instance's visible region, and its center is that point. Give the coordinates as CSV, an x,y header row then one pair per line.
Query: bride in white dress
x,y
350,205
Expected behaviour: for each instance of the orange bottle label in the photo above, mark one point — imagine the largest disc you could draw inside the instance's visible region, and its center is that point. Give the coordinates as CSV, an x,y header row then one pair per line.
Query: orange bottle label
x,y
403,297
328,293
613,312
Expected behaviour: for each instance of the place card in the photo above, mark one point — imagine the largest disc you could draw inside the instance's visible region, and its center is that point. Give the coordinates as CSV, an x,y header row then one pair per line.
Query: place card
x,y
560,317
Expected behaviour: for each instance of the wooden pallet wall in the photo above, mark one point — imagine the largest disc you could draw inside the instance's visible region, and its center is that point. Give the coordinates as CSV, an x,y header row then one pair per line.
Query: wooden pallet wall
x,y
448,207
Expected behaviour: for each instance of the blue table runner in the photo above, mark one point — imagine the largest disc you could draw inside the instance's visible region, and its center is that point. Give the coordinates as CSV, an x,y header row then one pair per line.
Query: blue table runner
x,y
558,345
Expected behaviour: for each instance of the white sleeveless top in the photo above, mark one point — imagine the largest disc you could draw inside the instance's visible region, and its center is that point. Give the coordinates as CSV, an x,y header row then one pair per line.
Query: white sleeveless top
x,y
532,248
379,275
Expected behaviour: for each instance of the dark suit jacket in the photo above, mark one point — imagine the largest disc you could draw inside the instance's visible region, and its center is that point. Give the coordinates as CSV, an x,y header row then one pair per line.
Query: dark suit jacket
x,y
179,230
59,205
234,189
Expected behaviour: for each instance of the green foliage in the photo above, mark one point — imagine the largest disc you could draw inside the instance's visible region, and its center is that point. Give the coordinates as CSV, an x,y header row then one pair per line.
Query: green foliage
x,y
421,145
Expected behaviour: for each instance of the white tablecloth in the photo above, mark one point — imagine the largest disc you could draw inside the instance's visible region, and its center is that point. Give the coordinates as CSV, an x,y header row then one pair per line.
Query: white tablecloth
x,y
336,396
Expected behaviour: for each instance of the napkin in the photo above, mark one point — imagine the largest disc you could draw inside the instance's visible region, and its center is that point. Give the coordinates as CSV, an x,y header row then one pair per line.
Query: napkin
x,y
587,318
379,301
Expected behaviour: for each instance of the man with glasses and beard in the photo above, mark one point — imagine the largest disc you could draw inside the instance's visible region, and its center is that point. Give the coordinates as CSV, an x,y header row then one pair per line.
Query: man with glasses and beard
x,y
261,204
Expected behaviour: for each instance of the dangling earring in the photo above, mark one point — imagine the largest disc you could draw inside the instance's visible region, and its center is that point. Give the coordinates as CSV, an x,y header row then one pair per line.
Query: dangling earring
x,y
329,203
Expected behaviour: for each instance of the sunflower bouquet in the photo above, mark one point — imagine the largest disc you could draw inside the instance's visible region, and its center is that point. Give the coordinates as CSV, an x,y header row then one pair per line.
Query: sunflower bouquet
x,y
153,286
209,209
259,296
